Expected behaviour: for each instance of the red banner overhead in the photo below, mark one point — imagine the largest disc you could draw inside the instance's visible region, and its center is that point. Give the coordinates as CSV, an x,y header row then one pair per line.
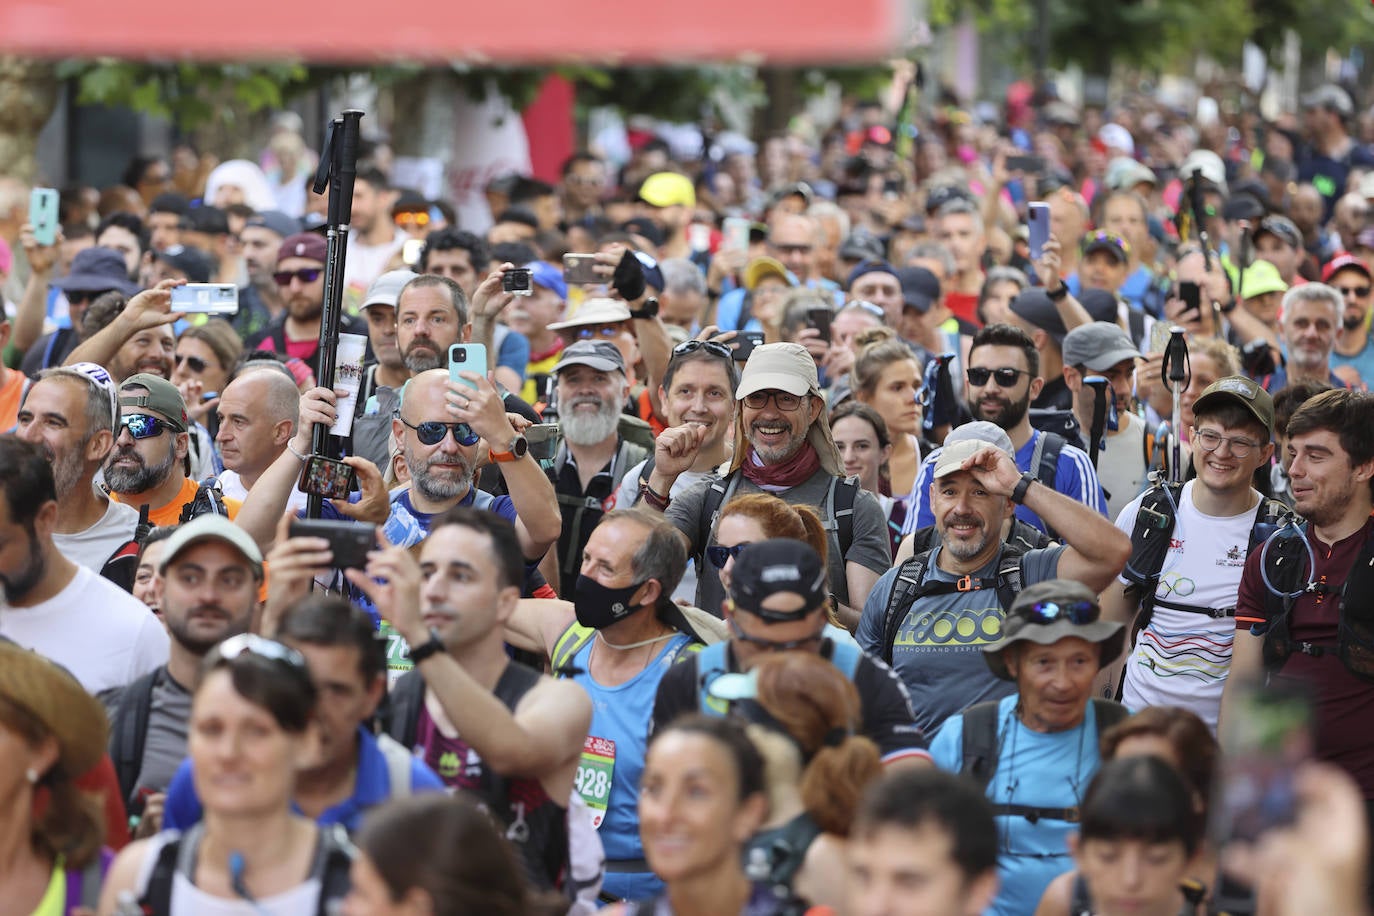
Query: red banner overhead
x,y
514,31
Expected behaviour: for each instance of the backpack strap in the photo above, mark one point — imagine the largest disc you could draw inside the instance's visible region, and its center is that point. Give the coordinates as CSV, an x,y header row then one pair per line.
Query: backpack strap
x,y
979,747
398,761
717,495
840,499
129,731
1155,521
1045,457
712,662
333,865
178,854
1081,902
566,647
404,703
908,582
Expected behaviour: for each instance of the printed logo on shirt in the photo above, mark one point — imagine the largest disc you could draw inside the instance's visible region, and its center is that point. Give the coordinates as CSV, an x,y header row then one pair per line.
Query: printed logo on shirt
x,y
448,764
1172,585
1235,557
942,630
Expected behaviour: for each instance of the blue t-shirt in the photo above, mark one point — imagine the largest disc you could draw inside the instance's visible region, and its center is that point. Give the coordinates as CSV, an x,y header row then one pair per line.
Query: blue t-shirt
x,y
407,526
619,731
1041,769
1075,477
938,650
1362,361
371,787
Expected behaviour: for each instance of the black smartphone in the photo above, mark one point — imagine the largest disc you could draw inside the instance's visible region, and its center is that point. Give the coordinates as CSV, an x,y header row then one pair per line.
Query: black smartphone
x,y
349,541
326,477
745,344
818,317
1029,165
1191,294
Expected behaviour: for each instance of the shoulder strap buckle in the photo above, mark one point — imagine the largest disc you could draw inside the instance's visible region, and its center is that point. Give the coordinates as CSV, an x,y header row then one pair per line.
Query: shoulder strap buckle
x,y
967,584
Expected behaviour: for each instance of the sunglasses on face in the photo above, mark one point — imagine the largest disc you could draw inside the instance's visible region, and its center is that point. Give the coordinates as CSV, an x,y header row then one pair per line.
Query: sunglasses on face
x,y
1006,376
1077,612
195,363
142,426
432,432
605,330
719,555
1358,292
783,400
414,218
305,275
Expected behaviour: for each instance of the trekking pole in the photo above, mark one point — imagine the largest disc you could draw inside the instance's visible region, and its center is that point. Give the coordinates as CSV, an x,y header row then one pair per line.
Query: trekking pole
x,y
1176,373
338,167
1098,429
1197,203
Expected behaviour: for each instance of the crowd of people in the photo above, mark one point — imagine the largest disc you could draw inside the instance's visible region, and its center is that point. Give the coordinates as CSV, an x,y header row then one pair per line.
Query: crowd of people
x,y
892,520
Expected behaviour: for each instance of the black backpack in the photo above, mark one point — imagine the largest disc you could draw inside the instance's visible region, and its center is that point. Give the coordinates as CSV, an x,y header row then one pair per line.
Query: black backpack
x,y
1022,536
837,513
129,731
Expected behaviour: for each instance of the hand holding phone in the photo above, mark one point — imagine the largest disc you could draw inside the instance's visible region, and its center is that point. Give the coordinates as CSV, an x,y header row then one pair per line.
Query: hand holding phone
x,y
745,344
43,215
349,541
467,358
580,270
321,476
819,317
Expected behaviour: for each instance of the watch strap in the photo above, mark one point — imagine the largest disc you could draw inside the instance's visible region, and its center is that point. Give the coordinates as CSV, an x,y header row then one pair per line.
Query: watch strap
x,y
433,646
1018,495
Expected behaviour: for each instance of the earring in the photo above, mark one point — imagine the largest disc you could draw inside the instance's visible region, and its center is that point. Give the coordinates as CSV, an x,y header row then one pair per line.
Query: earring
x,y
31,775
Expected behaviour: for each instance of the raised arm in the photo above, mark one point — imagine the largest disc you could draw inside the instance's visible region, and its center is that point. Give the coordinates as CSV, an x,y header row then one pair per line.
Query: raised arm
x,y
151,308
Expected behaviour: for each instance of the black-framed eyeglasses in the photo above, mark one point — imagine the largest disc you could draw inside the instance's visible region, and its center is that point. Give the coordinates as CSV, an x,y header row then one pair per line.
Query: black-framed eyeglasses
x,y
262,647
719,555
432,432
194,362
783,400
305,275
1006,376
1211,441
715,348
142,426
1077,612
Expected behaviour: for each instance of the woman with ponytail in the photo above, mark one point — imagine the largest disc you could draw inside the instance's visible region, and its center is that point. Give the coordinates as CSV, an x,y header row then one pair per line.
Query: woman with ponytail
x,y
804,716
887,377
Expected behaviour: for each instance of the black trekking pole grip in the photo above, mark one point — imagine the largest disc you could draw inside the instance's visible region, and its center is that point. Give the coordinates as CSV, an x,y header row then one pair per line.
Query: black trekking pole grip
x,y
1176,369
348,161
1098,429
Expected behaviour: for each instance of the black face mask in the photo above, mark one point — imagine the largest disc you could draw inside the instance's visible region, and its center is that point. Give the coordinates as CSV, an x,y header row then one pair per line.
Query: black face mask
x,y
598,606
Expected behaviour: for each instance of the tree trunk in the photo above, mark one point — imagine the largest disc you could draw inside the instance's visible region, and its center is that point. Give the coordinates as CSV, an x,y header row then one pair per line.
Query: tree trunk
x,y
28,94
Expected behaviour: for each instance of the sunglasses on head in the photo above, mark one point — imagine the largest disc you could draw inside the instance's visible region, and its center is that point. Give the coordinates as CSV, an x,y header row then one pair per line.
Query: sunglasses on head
x,y
194,362
432,432
253,644
719,556
142,426
1006,376
710,346
305,275
1077,612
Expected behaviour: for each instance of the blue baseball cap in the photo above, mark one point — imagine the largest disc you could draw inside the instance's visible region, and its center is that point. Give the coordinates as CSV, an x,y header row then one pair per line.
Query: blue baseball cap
x,y
549,277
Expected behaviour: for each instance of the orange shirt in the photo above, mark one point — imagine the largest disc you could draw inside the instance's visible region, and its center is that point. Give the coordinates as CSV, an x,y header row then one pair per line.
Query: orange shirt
x,y
170,514
9,398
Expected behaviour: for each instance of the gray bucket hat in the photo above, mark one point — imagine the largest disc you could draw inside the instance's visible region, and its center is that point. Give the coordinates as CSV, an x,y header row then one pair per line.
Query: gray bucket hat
x,y
1044,613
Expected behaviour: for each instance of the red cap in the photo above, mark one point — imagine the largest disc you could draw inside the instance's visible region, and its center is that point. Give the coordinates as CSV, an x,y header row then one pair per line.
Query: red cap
x,y
1342,261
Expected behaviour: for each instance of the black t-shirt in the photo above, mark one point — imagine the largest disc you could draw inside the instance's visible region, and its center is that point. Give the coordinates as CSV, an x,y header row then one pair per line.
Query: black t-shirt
x,y
887,716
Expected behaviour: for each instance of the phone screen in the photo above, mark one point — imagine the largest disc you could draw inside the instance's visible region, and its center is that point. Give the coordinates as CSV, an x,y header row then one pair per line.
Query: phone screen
x,y
326,477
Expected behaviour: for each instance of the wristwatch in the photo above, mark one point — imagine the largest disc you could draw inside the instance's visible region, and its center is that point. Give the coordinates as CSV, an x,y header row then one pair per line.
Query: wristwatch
x,y
1018,495
1058,294
650,309
514,452
433,646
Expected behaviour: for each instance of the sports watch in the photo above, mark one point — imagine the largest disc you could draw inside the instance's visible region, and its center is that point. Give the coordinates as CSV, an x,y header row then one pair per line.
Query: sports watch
x,y
433,646
517,449
650,309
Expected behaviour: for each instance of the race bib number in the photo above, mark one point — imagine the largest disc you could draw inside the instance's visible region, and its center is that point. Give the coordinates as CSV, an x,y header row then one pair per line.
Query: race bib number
x,y
397,655
593,781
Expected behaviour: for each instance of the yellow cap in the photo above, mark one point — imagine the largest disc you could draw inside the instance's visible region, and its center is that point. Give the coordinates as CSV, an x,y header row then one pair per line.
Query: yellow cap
x,y
668,189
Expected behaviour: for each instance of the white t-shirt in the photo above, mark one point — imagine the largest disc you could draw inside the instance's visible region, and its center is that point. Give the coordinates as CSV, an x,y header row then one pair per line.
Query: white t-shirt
x,y
231,485
97,631
94,546
626,497
1182,658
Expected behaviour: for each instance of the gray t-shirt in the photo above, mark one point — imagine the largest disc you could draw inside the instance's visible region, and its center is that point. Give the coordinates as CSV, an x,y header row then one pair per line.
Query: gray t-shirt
x,y
93,547
164,747
870,547
938,650
1121,465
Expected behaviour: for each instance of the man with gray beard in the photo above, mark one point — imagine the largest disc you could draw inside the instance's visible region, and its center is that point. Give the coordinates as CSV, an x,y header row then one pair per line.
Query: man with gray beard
x,y
71,414
446,430
148,464
593,457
